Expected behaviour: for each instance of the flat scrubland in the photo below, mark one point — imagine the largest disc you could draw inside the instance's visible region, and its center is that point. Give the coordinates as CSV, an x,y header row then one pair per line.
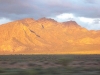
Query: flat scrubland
x,y
49,64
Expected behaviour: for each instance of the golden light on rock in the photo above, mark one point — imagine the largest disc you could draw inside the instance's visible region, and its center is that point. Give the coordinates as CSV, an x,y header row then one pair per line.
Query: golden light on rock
x,y
47,36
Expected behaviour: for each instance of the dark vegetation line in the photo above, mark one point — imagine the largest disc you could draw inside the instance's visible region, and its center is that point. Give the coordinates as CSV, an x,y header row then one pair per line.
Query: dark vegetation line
x,y
42,26
35,33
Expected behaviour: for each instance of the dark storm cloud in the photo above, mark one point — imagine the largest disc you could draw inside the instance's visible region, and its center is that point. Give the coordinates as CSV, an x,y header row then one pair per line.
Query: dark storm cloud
x,y
17,9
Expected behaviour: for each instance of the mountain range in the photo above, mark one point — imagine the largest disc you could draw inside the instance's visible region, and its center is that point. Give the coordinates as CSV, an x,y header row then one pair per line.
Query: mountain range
x,y
47,36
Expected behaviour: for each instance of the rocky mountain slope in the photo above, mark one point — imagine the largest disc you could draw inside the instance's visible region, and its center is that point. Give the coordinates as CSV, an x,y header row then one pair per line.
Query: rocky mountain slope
x,y
47,36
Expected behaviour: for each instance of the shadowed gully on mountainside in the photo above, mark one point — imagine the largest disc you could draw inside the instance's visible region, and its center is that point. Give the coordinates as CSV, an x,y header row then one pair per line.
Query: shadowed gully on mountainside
x,y
47,36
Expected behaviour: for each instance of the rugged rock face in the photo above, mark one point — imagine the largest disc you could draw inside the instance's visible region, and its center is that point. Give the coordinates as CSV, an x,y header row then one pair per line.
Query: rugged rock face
x,y
47,36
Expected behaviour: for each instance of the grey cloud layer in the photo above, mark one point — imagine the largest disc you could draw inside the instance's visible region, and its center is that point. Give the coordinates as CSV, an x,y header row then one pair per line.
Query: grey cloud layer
x,y
17,9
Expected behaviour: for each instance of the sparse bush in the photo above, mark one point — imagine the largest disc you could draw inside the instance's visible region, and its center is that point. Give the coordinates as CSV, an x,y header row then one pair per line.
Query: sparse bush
x,y
31,64
21,65
4,62
63,61
12,63
46,63
2,70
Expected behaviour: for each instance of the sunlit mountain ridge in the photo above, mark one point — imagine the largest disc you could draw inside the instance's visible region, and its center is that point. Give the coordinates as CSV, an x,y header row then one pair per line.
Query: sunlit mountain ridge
x,y
47,36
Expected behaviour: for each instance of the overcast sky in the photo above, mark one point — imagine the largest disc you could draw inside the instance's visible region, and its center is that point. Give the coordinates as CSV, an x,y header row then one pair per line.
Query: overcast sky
x,y
85,12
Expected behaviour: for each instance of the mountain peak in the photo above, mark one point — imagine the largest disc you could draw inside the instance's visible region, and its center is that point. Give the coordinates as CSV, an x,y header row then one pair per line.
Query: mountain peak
x,y
47,19
26,20
70,24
